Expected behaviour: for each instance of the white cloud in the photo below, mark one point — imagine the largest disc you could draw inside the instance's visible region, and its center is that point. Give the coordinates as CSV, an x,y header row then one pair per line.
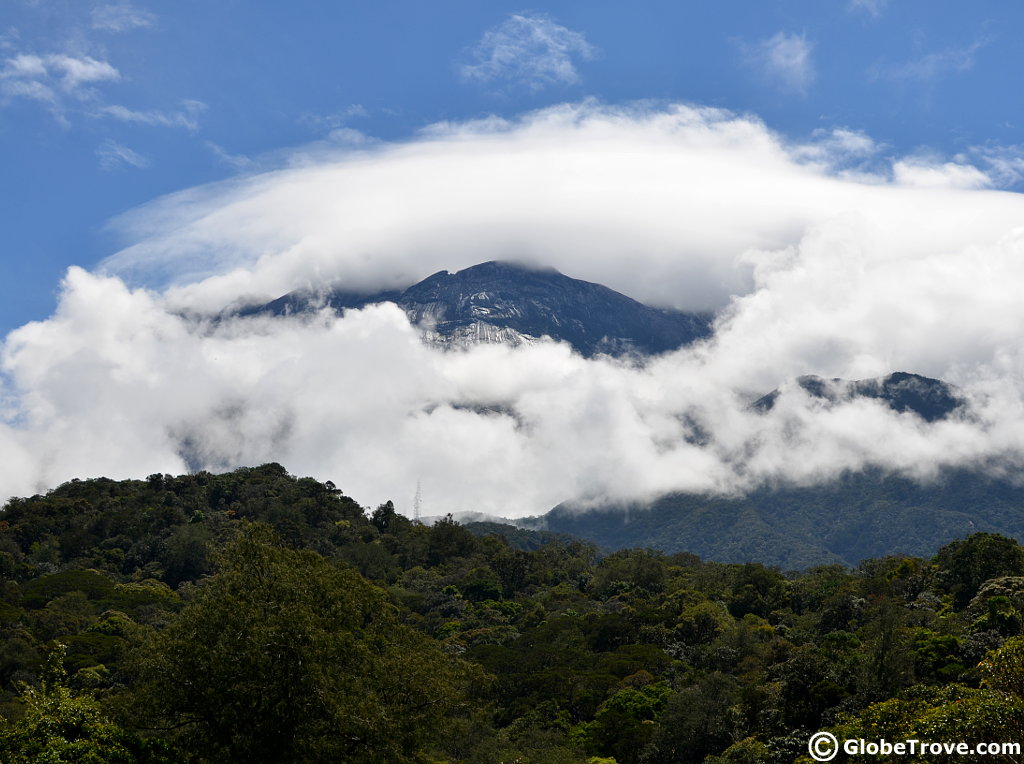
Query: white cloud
x,y
932,66
57,80
812,272
785,59
840,150
528,50
68,85
873,8
683,190
121,18
75,71
932,174
113,156
239,162
1004,164
336,120
187,117
56,71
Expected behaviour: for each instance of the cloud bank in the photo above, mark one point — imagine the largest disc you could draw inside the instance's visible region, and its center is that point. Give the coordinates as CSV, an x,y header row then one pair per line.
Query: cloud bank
x,y
823,257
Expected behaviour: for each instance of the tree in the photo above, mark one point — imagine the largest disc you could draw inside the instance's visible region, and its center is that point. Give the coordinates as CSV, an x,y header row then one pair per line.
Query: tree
x,y
61,728
283,657
966,564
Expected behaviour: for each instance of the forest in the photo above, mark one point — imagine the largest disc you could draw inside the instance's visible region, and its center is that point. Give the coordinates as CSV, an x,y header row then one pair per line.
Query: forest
x,y
258,617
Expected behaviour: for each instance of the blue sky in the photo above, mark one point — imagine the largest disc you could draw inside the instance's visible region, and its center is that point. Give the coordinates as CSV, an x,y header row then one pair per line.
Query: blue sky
x,y
105,106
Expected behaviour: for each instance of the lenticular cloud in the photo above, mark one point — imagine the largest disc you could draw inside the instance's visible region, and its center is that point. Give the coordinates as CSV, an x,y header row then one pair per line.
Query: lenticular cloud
x,y
820,257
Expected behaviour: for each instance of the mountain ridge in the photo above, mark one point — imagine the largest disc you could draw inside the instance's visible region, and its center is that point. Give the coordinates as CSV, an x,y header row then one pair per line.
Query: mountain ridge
x,y
855,516
902,391
499,301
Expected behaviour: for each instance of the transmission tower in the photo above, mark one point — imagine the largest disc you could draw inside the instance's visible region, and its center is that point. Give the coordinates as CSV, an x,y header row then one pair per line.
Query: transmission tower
x,y
417,502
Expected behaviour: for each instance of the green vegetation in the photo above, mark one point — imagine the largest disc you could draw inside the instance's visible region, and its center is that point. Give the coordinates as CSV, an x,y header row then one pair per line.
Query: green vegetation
x,y
858,515
256,617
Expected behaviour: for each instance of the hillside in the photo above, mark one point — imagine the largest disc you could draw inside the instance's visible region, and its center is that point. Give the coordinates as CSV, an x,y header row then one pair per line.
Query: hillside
x,y
860,515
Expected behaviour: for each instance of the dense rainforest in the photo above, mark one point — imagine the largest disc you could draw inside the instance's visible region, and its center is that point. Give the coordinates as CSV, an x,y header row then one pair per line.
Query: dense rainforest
x,y
258,617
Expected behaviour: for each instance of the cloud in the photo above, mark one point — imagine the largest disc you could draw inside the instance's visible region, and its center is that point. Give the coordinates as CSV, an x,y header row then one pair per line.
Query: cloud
x,y
187,117
335,121
932,174
121,18
873,8
33,76
840,150
1004,164
932,66
57,80
528,50
74,71
68,84
785,60
811,270
114,156
238,162
683,190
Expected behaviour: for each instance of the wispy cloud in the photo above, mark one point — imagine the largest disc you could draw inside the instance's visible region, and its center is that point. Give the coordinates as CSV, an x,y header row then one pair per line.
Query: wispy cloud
x,y
121,18
55,79
841,150
114,156
1004,165
186,117
785,59
932,66
68,84
528,50
873,8
239,162
42,77
336,120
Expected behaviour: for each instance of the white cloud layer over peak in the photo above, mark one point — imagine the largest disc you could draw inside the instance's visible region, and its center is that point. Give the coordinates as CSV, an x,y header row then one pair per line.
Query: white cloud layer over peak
x,y
681,192
821,257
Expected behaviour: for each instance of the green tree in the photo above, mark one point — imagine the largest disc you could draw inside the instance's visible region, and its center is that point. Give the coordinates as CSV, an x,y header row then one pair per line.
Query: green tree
x,y
966,564
61,728
283,657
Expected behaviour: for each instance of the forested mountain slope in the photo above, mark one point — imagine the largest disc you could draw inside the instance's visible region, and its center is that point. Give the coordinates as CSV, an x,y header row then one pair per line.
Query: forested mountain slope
x,y
860,515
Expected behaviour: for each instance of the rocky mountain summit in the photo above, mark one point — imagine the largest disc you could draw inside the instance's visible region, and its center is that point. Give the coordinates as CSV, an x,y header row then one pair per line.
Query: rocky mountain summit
x,y
501,302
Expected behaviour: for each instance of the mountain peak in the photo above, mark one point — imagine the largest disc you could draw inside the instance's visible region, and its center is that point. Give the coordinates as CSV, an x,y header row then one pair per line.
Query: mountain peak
x,y
931,399
514,303
493,268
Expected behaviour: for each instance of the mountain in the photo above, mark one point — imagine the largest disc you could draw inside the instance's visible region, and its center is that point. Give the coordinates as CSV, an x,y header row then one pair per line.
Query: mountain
x,y
931,399
860,515
510,303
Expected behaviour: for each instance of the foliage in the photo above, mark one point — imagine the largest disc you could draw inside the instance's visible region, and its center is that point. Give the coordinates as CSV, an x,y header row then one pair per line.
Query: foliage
x,y
254,616
282,656
60,727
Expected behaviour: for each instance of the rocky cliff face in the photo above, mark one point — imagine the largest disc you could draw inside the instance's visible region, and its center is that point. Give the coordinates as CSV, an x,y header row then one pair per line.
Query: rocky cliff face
x,y
514,304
